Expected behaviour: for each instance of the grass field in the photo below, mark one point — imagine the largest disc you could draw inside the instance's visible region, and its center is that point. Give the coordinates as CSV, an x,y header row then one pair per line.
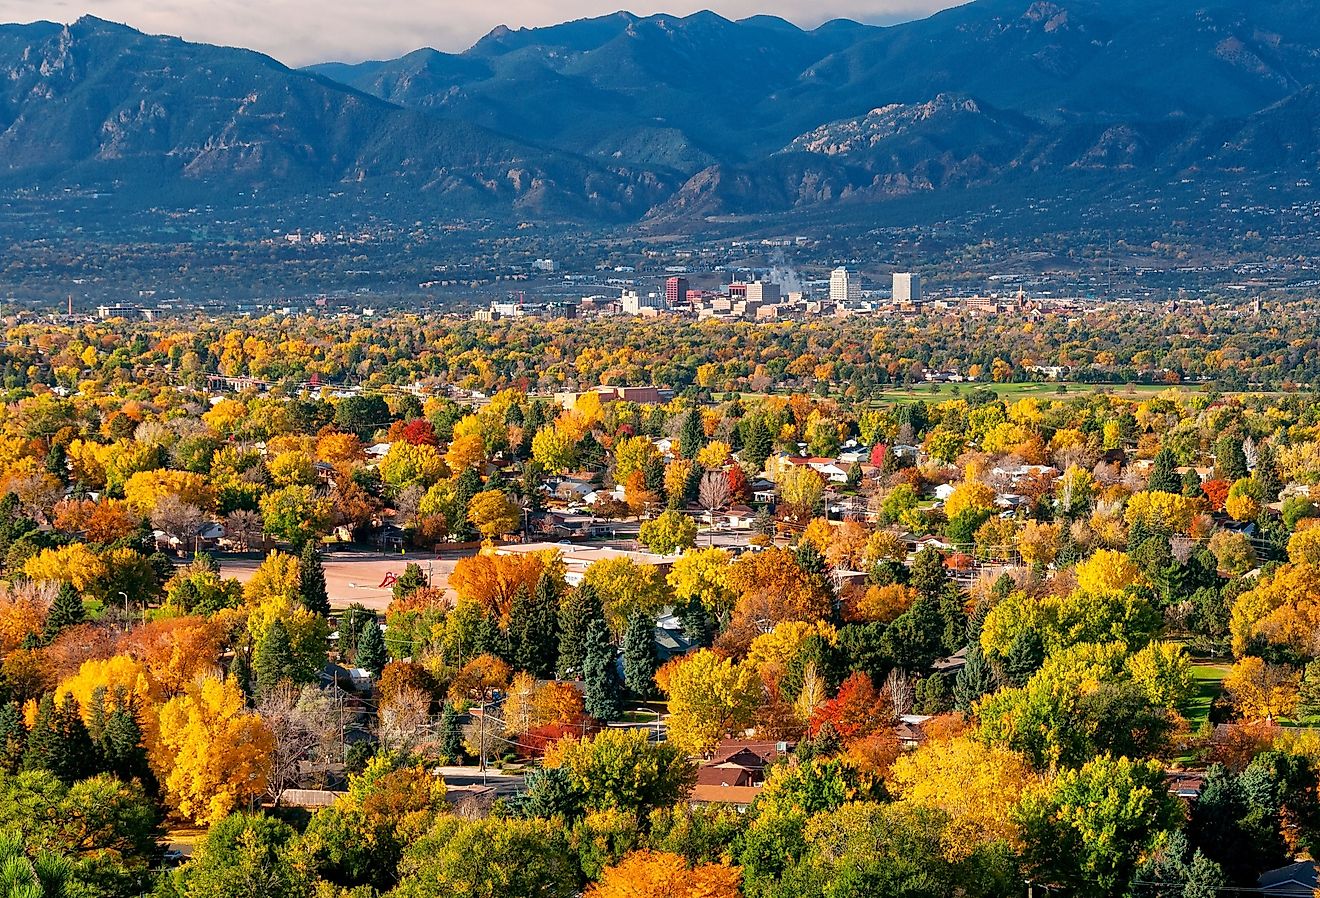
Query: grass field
x,y
1010,392
1209,686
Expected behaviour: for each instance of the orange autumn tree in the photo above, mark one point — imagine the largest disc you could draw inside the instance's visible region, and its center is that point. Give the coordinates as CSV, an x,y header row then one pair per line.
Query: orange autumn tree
x,y
493,580
176,650
772,588
660,874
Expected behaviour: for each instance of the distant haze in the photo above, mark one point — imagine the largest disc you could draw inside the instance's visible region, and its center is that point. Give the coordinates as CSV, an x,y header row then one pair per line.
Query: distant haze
x,y
301,32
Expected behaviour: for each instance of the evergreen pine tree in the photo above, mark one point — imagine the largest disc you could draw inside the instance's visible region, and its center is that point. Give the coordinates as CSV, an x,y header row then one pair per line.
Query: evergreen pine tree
x,y
466,485
577,611
534,629
412,579
639,657
59,742
692,434
699,625
311,581
1191,485
66,611
1230,460
13,737
1164,475
43,738
1267,471
757,445
928,574
1025,656
273,662
451,734
371,652
121,748
602,680
240,670
974,680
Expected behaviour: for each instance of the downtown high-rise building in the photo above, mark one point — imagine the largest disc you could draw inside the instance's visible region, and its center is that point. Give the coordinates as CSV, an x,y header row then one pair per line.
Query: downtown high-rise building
x,y
845,286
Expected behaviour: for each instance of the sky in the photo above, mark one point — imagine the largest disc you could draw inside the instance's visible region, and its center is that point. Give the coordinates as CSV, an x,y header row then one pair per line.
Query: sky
x,y
301,32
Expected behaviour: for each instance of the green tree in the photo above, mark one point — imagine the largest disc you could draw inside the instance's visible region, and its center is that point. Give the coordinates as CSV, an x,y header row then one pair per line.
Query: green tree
x,y
24,876
622,770
67,610
603,690
106,827
311,581
1308,696
671,532
692,435
640,661
1164,476
59,741
13,737
1090,828
412,579
534,629
577,611
245,855
362,415
371,652
928,573
451,734
489,858
273,661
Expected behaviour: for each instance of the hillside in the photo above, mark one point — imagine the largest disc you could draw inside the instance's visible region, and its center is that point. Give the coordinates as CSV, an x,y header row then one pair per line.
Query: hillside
x,y
623,118
101,103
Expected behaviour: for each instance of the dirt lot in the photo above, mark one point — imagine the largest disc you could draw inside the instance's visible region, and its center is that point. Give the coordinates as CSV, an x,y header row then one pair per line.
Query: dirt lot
x,y
357,576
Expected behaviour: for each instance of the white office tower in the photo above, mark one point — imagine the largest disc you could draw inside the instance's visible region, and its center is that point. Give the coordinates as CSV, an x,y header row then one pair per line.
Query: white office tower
x,y
845,287
635,303
907,287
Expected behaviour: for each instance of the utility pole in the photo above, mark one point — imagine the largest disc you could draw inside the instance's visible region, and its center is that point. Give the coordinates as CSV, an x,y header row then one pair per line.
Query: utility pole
x,y
482,737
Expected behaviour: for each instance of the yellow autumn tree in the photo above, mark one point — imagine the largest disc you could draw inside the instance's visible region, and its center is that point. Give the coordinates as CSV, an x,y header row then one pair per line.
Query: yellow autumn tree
x,y
1261,691
1107,570
117,675
715,454
74,563
969,495
493,513
709,696
146,488
703,574
214,754
976,784
1169,512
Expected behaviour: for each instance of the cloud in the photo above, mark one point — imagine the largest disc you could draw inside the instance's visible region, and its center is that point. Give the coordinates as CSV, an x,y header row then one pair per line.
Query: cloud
x,y
300,32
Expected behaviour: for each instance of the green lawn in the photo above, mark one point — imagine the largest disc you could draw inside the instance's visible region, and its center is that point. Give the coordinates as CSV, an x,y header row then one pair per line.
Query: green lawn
x,y
1209,686
1048,390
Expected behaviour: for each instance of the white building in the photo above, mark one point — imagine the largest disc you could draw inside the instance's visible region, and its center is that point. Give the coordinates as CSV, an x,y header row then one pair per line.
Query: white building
x,y
845,286
907,287
634,302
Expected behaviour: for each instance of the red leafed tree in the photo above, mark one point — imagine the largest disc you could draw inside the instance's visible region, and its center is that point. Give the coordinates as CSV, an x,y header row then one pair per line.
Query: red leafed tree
x,y
418,432
1217,492
739,489
856,711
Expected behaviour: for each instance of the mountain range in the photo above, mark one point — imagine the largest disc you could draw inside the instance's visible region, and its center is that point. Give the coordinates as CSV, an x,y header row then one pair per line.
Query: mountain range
x,y
625,118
